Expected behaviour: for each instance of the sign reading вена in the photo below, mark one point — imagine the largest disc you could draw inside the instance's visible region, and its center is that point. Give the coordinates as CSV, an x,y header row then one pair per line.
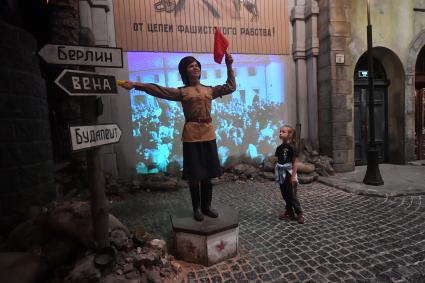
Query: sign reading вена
x,y
86,83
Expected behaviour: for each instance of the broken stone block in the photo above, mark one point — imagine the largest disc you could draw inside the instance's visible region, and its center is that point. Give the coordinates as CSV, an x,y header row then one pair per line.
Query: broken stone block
x,y
119,239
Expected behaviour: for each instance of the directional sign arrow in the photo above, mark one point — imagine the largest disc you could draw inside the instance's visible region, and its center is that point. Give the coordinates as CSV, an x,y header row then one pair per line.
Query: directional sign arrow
x,y
82,55
84,137
86,83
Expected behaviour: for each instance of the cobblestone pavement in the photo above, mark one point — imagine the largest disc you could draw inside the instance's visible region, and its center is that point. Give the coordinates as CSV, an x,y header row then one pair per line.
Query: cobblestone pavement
x,y
346,237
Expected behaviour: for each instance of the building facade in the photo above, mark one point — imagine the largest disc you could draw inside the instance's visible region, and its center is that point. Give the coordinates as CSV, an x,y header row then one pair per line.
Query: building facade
x,y
317,80
398,38
329,69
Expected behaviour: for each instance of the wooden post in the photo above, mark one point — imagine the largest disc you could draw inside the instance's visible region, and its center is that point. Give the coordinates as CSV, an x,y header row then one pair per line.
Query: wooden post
x,y
96,180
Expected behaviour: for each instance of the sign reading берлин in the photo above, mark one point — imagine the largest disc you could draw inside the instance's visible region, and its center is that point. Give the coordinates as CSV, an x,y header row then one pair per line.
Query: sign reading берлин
x,y
82,55
251,26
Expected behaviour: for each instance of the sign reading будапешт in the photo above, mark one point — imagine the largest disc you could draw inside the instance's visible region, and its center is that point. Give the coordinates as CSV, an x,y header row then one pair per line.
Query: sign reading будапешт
x,y
82,55
86,83
251,26
84,137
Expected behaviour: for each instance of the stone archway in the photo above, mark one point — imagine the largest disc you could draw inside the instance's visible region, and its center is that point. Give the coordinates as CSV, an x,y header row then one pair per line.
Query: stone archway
x,y
391,89
415,47
361,112
396,106
420,105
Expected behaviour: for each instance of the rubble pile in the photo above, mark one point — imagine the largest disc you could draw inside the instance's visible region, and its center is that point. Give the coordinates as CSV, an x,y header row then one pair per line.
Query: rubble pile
x,y
322,163
56,243
311,166
237,169
57,246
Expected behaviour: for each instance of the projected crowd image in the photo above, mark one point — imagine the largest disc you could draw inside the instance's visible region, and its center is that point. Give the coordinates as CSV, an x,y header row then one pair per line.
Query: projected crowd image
x,y
246,121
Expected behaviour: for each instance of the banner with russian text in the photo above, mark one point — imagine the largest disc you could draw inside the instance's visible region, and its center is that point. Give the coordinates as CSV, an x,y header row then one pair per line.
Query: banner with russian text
x,y
251,26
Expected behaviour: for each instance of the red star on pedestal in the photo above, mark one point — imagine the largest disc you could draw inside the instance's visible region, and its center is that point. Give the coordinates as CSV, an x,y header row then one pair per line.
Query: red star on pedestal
x,y
221,246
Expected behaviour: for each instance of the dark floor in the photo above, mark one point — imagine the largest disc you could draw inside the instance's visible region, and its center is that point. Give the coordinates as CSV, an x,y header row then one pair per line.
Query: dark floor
x,y
346,237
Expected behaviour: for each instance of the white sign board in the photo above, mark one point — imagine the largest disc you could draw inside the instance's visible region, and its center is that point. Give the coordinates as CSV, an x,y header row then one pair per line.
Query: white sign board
x,y
339,58
86,83
363,74
82,55
84,137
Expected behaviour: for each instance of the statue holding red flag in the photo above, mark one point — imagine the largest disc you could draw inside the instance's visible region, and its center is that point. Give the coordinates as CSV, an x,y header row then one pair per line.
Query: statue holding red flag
x,y
200,156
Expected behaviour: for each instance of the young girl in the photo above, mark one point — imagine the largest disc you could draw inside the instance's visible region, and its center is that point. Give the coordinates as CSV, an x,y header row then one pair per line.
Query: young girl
x,y
200,157
286,174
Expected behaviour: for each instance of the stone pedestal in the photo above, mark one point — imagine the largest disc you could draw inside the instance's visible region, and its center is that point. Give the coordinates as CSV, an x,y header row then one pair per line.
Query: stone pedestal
x,y
209,241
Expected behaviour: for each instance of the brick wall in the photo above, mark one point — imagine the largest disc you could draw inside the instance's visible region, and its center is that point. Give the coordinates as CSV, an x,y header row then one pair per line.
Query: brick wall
x,y
336,134
26,166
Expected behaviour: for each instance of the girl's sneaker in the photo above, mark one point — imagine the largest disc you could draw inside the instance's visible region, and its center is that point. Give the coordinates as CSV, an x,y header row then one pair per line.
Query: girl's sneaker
x,y
287,215
300,218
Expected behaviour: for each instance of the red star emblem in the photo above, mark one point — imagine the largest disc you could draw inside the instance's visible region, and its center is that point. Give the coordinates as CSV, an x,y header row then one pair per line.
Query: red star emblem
x,y
221,246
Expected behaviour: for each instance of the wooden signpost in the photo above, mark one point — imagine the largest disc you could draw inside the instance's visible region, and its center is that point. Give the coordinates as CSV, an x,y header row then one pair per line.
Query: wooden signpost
x,y
90,137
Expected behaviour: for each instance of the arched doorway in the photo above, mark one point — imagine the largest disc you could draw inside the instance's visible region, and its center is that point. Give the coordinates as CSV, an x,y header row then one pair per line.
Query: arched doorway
x,y
361,119
420,105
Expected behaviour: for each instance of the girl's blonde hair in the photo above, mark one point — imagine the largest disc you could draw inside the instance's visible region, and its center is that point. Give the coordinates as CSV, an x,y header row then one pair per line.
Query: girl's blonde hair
x,y
291,132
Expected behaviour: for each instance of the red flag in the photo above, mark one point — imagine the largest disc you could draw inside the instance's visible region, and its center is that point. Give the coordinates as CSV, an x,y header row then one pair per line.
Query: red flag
x,y
220,45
